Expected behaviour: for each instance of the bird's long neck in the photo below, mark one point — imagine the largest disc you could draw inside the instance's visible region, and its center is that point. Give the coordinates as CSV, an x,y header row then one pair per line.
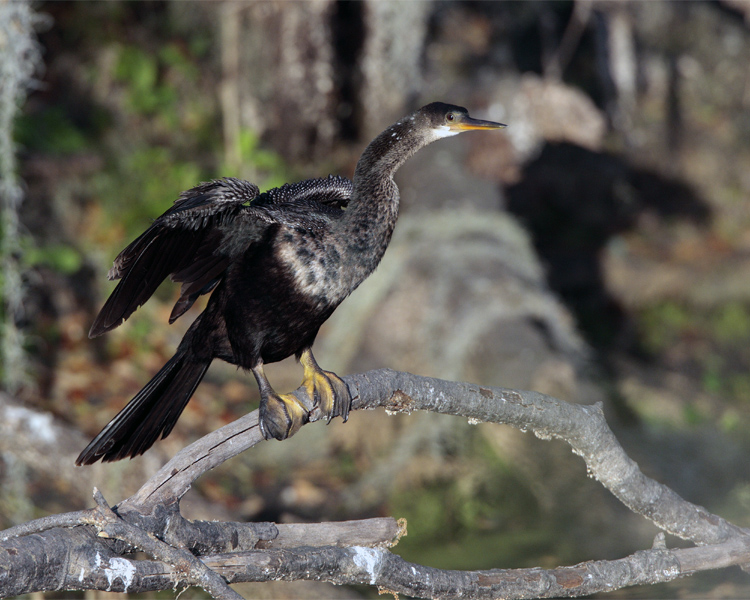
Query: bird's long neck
x,y
387,152
373,208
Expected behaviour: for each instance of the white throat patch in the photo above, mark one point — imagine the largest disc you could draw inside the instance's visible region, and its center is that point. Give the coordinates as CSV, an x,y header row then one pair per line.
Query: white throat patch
x,y
443,131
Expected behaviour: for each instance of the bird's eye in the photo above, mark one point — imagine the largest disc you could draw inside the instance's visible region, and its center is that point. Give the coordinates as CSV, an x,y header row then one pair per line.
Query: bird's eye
x,y
450,117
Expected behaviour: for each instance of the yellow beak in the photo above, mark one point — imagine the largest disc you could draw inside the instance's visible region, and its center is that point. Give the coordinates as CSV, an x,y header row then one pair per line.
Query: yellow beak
x,y
467,123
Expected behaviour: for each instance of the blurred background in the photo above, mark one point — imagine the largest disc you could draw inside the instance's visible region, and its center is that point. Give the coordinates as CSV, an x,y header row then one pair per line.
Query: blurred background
x,y
598,249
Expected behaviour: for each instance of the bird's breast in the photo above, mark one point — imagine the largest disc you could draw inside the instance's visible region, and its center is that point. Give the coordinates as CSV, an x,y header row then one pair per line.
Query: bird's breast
x,y
315,265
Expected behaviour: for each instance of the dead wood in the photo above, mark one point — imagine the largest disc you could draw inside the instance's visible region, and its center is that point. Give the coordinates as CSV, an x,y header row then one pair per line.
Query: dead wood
x,y
95,549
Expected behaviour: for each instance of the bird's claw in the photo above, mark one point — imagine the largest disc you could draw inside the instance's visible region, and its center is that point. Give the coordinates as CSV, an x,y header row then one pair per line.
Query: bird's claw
x,y
329,394
281,416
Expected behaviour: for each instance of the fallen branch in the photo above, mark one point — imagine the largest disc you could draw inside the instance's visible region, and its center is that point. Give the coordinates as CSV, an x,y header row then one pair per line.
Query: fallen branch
x,y
355,552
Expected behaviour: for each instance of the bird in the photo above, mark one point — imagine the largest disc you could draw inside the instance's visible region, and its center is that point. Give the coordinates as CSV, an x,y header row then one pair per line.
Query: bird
x,y
276,264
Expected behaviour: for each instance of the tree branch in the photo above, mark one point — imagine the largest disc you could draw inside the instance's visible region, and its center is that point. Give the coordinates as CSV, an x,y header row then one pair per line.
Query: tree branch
x,y
354,552
584,428
389,572
189,569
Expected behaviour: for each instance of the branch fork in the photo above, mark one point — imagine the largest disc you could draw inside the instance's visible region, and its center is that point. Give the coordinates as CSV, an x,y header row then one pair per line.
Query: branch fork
x,y
96,543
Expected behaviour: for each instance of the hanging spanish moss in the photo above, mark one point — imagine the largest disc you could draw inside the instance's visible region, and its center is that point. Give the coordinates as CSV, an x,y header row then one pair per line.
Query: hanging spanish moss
x,y
19,58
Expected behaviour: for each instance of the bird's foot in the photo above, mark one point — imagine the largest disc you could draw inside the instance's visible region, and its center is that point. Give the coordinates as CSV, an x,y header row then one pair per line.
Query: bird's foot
x,y
327,390
281,415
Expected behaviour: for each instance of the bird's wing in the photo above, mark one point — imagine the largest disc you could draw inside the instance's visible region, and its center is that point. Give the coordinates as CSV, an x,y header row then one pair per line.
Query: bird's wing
x,y
192,243
333,191
309,204
184,242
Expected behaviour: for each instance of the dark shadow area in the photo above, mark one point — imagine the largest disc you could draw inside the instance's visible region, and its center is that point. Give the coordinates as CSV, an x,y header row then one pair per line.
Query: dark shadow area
x,y
348,28
574,201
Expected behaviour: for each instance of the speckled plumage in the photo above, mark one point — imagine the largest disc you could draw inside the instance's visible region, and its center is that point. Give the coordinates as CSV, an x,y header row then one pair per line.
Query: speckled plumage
x,y
277,264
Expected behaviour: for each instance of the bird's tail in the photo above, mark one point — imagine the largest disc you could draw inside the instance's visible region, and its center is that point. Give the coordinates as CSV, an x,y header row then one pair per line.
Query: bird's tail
x,y
153,412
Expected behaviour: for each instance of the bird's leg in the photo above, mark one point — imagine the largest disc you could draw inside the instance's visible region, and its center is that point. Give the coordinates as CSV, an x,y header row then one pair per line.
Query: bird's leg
x,y
281,415
327,390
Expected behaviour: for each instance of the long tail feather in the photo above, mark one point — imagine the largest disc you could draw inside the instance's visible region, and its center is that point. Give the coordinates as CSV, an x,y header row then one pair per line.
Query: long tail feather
x,y
152,413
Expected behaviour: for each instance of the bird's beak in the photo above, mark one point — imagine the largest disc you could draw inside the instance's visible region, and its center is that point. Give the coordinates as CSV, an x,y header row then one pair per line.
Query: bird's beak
x,y
468,123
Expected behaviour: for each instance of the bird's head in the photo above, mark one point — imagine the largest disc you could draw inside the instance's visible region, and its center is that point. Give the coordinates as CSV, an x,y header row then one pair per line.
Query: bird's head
x,y
388,151
447,119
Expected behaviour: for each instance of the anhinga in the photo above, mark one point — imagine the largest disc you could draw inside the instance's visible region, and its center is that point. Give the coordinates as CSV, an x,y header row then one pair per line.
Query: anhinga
x,y
278,264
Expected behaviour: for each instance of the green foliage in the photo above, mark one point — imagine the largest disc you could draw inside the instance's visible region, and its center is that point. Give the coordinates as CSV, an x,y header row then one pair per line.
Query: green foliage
x,y
713,342
730,421
146,94
713,380
250,151
142,184
143,177
460,523
731,323
692,415
269,168
465,521
739,385
661,325
59,257
158,175
50,131
200,43
139,331
173,57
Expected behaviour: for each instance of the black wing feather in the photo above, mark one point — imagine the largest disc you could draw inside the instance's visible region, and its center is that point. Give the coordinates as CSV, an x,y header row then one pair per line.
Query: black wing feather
x,y
186,242
185,235
143,275
333,190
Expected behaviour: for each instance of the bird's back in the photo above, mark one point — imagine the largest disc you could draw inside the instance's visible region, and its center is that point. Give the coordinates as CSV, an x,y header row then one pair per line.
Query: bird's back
x,y
333,191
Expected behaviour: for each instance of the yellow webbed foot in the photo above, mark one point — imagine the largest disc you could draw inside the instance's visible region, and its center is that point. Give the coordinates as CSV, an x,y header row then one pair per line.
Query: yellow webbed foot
x,y
327,390
281,415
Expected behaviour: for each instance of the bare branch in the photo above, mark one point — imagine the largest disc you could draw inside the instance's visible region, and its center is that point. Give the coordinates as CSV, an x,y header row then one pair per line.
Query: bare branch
x,y
189,569
71,519
174,479
77,558
390,573
382,532
582,427
91,557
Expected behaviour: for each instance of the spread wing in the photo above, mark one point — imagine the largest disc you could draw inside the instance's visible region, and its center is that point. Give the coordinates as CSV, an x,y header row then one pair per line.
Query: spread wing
x,y
333,191
189,241
184,243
